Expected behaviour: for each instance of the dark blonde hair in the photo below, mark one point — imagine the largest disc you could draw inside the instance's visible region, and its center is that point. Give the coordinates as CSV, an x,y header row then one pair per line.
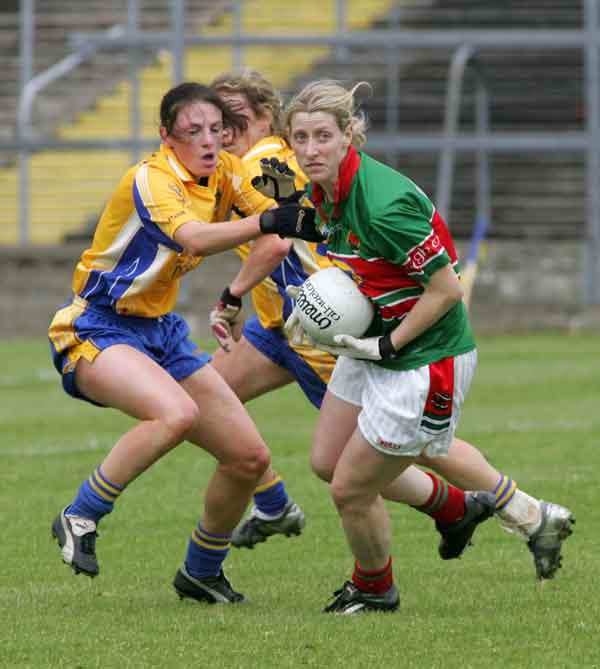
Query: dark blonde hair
x,y
260,93
331,97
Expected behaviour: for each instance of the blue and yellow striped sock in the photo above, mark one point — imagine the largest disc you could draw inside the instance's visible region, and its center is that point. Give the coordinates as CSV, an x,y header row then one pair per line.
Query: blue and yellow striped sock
x,y
271,498
206,552
96,497
504,491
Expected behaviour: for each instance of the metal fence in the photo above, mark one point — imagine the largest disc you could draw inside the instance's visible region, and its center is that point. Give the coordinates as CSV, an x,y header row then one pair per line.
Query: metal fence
x,y
466,45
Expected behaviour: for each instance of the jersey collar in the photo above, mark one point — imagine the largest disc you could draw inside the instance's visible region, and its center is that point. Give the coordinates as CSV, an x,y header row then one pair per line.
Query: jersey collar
x,y
180,171
348,168
271,143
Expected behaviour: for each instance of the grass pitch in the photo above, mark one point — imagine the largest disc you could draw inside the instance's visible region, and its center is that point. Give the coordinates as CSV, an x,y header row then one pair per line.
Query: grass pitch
x,y
533,410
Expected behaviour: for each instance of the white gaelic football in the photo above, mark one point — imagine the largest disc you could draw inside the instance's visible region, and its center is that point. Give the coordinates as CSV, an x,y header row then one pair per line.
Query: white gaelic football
x,y
329,303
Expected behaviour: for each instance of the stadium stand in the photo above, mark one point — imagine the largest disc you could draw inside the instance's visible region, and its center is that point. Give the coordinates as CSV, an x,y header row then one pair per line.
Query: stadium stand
x,y
69,188
534,195
57,22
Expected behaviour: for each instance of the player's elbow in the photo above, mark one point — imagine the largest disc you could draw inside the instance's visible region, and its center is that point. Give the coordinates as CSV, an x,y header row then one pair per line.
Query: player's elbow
x,y
193,238
451,296
204,243
456,293
447,287
196,249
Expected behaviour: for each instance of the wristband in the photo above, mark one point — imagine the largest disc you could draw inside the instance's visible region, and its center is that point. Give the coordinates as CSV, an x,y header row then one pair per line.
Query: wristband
x,y
267,223
386,348
228,299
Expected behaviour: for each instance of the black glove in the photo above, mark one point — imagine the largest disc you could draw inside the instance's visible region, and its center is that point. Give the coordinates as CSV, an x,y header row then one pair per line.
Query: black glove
x,y
277,181
291,220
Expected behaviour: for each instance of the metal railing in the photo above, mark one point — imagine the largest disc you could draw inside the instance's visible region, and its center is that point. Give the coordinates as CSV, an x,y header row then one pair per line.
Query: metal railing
x,y
465,43
445,174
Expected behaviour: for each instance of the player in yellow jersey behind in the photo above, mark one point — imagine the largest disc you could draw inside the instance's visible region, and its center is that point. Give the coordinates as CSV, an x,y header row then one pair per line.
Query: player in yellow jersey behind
x,y
117,342
258,356
263,359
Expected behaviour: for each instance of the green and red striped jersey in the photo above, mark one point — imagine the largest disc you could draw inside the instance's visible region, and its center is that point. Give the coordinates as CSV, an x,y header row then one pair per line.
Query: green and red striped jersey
x,y
385,229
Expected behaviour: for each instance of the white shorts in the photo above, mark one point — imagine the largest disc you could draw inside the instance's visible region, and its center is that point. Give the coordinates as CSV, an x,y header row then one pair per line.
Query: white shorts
x,y
406,413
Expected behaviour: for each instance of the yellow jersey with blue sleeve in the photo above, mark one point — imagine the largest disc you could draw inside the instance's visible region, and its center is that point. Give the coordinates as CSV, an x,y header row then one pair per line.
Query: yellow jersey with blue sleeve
x,y
125,285
310,367
134,265
271,303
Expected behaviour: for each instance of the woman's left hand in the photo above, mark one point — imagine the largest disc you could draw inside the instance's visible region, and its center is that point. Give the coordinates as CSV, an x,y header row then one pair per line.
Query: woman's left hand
x,y
369,348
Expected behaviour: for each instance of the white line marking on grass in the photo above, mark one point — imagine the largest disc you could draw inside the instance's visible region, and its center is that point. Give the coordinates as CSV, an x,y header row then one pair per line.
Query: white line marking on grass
x,y
36,451
39,376
540,426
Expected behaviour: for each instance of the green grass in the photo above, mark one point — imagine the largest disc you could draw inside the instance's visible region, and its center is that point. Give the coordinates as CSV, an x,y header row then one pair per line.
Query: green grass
x,y
534,411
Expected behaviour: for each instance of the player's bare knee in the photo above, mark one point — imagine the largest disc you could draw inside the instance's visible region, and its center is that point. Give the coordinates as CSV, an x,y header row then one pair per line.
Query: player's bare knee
x,y
180,420
351,498
344,497
261,462
322,468
251,464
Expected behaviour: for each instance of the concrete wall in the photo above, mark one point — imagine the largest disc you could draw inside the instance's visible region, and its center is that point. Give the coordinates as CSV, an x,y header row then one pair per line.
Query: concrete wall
x,y
533,285
521,286
35,281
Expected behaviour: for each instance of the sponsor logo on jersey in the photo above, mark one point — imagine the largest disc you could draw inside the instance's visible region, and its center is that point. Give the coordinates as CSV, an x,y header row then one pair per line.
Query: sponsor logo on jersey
x,y
176,215
422,254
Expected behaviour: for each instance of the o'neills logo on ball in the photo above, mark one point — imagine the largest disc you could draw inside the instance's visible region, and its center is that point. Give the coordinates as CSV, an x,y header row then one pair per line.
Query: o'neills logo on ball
x,y
312,306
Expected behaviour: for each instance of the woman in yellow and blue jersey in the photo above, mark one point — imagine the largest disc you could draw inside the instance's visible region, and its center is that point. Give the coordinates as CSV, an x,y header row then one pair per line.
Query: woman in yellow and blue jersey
x,y
118,343
256,356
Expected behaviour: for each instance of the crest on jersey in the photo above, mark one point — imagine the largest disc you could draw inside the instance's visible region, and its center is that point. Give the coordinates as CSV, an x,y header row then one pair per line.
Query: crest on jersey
x,y
353,240
345,267
179,194
441,401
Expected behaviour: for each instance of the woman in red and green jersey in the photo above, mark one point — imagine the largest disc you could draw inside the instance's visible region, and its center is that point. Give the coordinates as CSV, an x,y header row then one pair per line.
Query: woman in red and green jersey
x,y
543,525
396,393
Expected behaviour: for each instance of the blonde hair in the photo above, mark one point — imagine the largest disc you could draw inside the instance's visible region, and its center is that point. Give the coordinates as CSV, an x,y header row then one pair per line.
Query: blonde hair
x,y
331,97
260,93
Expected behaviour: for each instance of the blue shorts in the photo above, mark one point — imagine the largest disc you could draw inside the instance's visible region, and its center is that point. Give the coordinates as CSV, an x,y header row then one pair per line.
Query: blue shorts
x,y
79,332
274,345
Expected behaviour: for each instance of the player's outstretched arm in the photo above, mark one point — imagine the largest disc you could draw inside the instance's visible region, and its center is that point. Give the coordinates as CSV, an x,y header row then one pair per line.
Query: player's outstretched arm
x,y
199,238
226,318
292,220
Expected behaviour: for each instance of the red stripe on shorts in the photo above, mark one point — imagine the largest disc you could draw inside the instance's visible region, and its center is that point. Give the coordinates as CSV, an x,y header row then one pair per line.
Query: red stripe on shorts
x,y
441,388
